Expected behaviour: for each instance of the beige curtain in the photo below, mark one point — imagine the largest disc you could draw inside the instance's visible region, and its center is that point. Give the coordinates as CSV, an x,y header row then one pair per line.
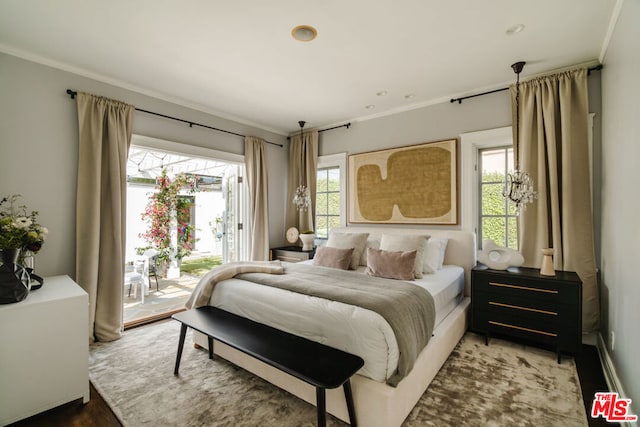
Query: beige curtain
x,y
105,135
255,158
303,166
554,151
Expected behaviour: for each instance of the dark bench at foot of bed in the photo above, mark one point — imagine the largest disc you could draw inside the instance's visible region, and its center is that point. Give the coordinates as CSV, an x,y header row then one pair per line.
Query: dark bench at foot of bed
x,y
314,363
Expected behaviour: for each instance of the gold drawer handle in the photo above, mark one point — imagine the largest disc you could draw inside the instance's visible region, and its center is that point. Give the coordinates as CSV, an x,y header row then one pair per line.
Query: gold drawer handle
x,y
535,331
517,307
504,285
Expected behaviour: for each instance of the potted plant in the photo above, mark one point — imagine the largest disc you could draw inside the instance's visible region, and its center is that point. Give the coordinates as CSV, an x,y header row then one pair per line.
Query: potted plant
x,y
307,238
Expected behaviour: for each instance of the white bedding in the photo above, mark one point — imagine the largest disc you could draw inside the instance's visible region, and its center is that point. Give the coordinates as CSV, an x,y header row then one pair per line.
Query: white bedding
x,y
334,323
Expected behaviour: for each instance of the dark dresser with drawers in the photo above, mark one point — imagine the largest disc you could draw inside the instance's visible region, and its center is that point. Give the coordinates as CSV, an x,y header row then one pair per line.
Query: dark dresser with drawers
x,y
521,303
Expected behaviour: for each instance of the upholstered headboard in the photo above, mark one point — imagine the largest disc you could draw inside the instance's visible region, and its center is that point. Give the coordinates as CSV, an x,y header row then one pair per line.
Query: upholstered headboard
x,y
461,249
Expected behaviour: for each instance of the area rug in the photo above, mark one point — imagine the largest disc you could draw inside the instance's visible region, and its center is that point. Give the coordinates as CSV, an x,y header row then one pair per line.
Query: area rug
x,y
503,384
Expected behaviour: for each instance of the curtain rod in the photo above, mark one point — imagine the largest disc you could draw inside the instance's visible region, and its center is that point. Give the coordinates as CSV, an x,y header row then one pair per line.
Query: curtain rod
x,y
72,94
459,100
346,125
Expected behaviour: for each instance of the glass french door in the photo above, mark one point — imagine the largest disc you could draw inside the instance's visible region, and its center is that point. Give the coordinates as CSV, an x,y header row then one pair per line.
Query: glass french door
x,y
233,238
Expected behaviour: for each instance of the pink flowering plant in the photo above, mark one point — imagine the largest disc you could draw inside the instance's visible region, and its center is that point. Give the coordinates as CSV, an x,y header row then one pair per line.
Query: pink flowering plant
x,y
19,229
160,212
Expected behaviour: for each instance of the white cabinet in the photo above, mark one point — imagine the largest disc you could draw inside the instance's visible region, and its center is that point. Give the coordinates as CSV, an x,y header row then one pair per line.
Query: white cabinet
x,y
44,350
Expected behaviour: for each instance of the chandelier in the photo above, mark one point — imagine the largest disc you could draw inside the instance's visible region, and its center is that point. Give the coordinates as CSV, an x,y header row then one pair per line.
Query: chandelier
x,y
302,198
518,186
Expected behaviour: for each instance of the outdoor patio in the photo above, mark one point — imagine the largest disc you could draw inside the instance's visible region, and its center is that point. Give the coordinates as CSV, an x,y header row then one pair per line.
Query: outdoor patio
x,y
171,296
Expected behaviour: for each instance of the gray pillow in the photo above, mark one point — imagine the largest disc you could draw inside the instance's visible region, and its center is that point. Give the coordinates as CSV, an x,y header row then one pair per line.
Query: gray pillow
x,y
390,264
333,257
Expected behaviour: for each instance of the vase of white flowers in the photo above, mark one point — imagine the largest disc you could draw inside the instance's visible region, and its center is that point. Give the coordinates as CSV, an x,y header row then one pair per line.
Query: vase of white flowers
x,y
19,233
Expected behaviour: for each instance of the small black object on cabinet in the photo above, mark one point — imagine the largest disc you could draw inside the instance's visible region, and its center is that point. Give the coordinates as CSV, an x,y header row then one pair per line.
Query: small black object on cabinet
x,y
291,254
521,303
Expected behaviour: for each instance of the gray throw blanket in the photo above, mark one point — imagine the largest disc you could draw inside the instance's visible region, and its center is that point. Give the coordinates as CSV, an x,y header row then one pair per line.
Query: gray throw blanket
x,y
204,289
409,309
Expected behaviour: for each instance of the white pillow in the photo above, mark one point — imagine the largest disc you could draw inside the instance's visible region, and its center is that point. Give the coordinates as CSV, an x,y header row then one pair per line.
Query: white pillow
x,y
357,241
434,255
373,243
406,243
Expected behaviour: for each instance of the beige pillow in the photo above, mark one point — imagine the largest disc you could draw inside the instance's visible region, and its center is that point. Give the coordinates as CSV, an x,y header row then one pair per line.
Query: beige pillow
x,y
372,242
391,265
434,255
357,241
333,257
407,242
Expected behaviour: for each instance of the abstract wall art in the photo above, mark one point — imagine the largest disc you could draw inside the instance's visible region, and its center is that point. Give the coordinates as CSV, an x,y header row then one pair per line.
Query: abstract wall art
x,y
416,184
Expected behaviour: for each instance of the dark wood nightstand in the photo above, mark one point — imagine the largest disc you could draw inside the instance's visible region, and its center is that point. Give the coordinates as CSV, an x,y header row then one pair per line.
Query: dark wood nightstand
x,y
521,303
291,254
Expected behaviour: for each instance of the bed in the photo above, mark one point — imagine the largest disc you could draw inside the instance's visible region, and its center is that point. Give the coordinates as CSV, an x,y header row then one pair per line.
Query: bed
x,y
377,402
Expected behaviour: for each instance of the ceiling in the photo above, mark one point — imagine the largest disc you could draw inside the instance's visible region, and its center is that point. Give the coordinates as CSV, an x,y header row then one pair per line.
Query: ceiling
x,y
238,60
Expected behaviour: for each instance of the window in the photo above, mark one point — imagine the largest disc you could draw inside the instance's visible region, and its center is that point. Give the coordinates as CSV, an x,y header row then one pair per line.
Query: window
x,y
331,192
327,201
498,220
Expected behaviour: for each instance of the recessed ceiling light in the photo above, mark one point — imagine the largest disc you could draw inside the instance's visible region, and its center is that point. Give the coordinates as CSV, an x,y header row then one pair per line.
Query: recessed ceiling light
x,y
409,96
370,107
515,29
304,33
382,93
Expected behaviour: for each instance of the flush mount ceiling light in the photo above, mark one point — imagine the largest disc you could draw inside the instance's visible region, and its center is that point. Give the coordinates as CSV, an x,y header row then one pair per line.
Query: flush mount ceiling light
x,y
518,28
409,96
304,33
382,93
370,107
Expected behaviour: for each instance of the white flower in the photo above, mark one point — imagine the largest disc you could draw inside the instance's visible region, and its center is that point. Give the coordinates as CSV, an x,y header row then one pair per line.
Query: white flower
x,y
22,222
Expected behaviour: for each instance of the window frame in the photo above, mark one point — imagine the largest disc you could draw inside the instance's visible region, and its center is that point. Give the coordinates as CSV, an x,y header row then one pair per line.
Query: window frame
x,y
339,161
507,215
471,143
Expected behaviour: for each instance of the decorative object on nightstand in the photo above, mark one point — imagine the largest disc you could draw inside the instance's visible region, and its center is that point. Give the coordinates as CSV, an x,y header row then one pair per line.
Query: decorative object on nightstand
x,y
498,257
292,235
547,263
521,303
307,238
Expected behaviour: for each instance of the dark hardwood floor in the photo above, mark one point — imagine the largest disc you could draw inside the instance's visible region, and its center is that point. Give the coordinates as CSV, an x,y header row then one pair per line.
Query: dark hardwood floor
x,y
97,413
591,380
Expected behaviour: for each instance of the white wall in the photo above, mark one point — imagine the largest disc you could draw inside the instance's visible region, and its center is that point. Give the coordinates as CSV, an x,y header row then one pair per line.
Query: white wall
x,y
620,201
39,145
